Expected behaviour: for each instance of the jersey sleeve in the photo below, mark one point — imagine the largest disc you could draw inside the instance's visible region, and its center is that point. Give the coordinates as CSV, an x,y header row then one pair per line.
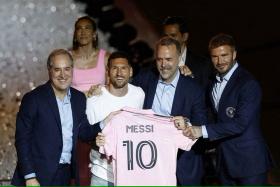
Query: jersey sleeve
x,y
109,149
183,142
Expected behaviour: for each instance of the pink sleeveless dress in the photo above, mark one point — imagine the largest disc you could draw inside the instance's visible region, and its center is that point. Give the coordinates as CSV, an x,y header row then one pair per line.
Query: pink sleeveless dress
x,y
83,79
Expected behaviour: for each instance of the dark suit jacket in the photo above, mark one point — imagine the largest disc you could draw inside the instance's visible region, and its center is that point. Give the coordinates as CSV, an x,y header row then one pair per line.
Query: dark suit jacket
x,y
201,68
38,138
189,102
242,149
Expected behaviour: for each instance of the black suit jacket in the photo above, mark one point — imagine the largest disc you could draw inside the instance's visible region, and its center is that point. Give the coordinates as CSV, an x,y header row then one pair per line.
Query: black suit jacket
x,y
242,148
189,102
38,138
201,68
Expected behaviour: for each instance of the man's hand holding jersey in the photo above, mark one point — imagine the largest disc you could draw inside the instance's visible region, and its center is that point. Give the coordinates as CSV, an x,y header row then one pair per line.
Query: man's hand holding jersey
x,y
183,123
193,132
179,122
100,139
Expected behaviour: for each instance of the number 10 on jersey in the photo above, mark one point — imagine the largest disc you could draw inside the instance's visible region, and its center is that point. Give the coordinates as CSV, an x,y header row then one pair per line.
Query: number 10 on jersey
x,y
138,152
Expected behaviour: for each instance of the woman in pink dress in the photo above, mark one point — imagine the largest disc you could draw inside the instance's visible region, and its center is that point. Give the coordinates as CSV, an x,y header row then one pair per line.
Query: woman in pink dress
x,y
89,69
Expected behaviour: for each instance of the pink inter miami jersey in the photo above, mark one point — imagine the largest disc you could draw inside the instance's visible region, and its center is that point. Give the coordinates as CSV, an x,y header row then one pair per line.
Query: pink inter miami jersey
x,y
144,148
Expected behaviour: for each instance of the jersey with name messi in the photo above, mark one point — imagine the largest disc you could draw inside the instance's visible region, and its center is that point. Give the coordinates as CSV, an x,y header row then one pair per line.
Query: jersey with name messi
x,y
144,148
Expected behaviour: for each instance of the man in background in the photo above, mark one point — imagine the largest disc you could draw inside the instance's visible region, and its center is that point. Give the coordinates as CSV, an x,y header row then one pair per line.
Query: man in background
x,y
194,65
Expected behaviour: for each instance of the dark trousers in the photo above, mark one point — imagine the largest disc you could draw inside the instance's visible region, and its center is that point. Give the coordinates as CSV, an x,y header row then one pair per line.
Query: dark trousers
x,y
260,179
83,150
62,176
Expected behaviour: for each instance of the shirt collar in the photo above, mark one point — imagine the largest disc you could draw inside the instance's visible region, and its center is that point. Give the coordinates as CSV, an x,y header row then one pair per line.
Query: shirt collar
x,y
174,82
229,73
67,97
183,55
69,94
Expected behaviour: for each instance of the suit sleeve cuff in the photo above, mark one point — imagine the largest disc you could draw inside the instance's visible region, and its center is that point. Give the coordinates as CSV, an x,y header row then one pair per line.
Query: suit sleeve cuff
x,y
30,176
101,125
204,131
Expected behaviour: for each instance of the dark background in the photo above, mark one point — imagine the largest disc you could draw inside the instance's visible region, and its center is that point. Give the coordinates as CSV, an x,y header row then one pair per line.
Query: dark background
x,y
253,24
255,27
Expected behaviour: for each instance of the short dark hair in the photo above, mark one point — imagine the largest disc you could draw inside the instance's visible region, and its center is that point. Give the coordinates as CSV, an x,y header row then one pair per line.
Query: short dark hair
x,y
167,41
118,54
94,27
221,39
180,21
57,52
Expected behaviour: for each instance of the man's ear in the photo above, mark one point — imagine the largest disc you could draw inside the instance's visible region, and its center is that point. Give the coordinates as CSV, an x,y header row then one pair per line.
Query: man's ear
x,y
107,71
185,37
94,36
234,54
130,71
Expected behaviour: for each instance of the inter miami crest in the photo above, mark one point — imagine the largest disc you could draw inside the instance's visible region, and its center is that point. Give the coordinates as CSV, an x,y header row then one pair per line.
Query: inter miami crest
x,y
230,111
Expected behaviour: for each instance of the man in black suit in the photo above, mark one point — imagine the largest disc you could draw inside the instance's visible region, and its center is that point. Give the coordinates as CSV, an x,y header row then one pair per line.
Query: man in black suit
x,y
235,95
198,67
169,93
50,119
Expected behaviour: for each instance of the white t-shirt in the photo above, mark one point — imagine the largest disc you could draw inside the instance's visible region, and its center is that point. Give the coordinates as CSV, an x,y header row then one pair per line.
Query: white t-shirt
x,y
144,148
98,108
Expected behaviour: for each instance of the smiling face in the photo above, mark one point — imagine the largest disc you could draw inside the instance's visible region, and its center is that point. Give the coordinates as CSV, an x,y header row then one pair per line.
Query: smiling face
x,y
223,58
119,72
167,59
60,73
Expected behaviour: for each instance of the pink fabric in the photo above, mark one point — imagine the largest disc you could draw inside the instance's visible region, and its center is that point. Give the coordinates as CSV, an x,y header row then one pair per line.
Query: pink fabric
x,y
83,79
144,148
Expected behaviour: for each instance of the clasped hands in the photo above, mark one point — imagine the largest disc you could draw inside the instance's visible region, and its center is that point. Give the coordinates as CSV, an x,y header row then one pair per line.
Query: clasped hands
x,y
191,131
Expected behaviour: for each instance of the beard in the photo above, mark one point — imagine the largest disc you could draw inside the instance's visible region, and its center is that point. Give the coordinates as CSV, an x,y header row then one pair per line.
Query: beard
x,y
119,84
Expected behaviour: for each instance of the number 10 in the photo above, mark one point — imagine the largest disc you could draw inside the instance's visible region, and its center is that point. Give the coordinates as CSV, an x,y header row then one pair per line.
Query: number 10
x,y
139,160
